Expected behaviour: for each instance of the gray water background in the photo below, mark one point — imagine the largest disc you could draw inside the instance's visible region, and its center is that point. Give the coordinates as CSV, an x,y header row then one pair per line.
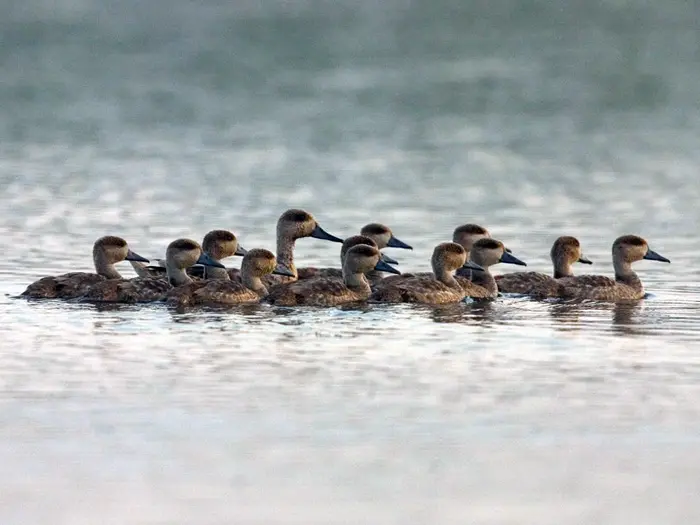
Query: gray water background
x,y
162,119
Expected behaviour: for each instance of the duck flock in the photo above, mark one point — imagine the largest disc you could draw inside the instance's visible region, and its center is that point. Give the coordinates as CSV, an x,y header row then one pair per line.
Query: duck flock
x,y
192,274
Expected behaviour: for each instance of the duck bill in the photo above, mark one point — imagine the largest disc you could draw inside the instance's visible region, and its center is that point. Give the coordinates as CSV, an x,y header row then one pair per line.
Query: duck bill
x,y
653,256
206,260
240,251
384,267
509,258
133,256
320,233
389,260
473,266
281,269
584,260
396,243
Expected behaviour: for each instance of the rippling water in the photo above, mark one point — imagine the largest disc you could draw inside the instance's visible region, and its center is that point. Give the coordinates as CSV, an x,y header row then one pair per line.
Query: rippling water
x,y
155,120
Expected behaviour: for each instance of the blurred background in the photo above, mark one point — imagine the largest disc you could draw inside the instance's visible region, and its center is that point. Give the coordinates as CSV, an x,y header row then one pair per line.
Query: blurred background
x,y
160,119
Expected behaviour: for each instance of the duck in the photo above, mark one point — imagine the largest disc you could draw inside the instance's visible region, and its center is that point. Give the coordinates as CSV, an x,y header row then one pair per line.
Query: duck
x,y
384,238
565,251
311,272
626,286
180,255
257,263
295,224
106,252
467,234
439,288
218,244
330,291
485,252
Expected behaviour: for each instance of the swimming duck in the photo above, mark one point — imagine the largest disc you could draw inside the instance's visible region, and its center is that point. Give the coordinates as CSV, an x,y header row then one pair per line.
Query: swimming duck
x,y
311,272
295,224
217,244
106,252
180,255
439,288
384,237
256,264
626,250
565,252
467,234
329,291
486,252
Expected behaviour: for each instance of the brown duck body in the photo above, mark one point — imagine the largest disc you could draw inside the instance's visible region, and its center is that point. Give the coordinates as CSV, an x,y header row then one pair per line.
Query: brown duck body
x,y
106,252
257,264
626,286
437,288
66,286
564,253
181,254
329,291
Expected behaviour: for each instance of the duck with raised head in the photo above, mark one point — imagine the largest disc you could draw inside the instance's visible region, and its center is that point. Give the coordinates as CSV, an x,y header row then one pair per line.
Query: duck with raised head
x,y
295,224
217,244
564,253
106,252
180,255
337,273
485,252
329,291
385,238
439,288
257,263
626,286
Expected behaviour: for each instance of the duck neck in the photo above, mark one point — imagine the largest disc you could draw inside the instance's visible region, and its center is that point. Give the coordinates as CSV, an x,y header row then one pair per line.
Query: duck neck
x,y
355,281
104,266
177,276
251,280
562,267
625,274
483,277
213,272
285,253
444,276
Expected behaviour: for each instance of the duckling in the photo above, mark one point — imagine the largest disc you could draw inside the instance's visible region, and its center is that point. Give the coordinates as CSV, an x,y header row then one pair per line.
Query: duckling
x,y
486,252
180,255
626,286
565,251
329,291
256,264
106,252
218,244
441,287
311,272
295,224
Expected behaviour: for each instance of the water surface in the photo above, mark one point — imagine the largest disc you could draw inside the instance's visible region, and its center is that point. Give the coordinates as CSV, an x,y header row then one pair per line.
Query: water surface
x,y
167,119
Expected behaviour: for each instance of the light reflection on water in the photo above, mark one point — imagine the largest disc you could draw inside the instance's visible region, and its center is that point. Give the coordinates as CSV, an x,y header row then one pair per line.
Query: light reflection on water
x,y
158,122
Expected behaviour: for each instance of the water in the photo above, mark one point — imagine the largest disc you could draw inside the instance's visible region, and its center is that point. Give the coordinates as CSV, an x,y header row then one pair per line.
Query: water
x,y
156,120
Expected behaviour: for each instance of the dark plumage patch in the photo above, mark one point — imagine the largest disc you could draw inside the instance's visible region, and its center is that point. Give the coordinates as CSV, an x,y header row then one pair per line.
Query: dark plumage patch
x,y
472,229
375,229
295,216
184,245
633,240
488,244
219,235
111,240
451,247
363,250
358,239
569,241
